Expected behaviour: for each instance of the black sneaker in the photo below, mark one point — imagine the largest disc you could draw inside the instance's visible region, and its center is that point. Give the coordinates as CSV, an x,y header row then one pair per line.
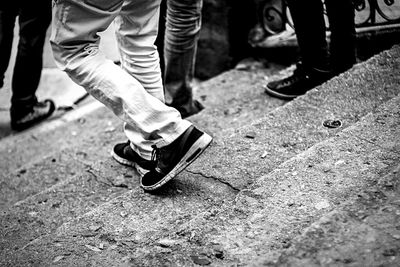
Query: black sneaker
x,y
297,84
36,114
175,157
124,154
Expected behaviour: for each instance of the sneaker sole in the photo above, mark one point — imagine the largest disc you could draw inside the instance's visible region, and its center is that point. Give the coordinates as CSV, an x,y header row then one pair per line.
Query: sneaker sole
x,y
129,163
122,160
193,153
21,127
278,95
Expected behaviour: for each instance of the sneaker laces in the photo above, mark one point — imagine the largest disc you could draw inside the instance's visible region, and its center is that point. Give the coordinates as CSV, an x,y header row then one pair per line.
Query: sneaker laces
x,y
163,157
297,75
155,154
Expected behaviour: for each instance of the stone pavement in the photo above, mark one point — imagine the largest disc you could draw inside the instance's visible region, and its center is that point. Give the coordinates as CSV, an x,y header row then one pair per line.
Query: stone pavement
x,y
276,187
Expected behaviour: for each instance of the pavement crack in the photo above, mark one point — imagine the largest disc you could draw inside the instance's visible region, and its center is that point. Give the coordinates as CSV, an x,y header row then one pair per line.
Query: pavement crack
x,y
108,182
96,177
374,143
32,242
216,179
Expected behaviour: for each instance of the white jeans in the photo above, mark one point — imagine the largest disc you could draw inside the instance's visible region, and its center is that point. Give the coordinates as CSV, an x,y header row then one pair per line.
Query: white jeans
x,y
134,92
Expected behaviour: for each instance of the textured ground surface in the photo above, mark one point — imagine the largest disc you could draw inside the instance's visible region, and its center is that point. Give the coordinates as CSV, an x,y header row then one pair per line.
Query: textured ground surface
x,y
276,188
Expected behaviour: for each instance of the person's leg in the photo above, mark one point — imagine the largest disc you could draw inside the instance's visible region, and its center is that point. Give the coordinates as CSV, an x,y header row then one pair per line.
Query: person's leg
x,y
8,14
133,92
343,35
174,142
310,30
136,29
34,19
180,47
314,68
161,35
242,16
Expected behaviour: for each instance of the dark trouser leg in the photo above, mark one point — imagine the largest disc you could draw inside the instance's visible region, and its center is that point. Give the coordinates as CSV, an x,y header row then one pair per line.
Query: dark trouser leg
x,y
34,19
310,30
180,47
161,34
242,16
7,21
342,26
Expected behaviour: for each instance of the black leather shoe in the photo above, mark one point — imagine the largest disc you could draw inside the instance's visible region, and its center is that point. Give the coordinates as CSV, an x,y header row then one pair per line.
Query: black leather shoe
x,y
170,160
37,113
297,84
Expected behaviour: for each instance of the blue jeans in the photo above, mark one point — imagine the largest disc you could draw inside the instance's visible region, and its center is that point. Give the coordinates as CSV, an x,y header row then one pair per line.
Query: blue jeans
x,y
183,23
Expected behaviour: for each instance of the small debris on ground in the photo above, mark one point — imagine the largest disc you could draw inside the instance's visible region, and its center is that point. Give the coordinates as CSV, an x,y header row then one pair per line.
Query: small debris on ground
x,y
94,228
200,260
322,205
166,243
109,129
93,248
251,135
332,123
58,258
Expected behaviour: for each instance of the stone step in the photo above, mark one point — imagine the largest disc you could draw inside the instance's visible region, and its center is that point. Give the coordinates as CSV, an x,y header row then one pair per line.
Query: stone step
x,y
169,229
27,154
46,210
41,141
43,212
104,184
57,165
33,178
235,98
33,145
280,205
252,151
142,230
363,231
